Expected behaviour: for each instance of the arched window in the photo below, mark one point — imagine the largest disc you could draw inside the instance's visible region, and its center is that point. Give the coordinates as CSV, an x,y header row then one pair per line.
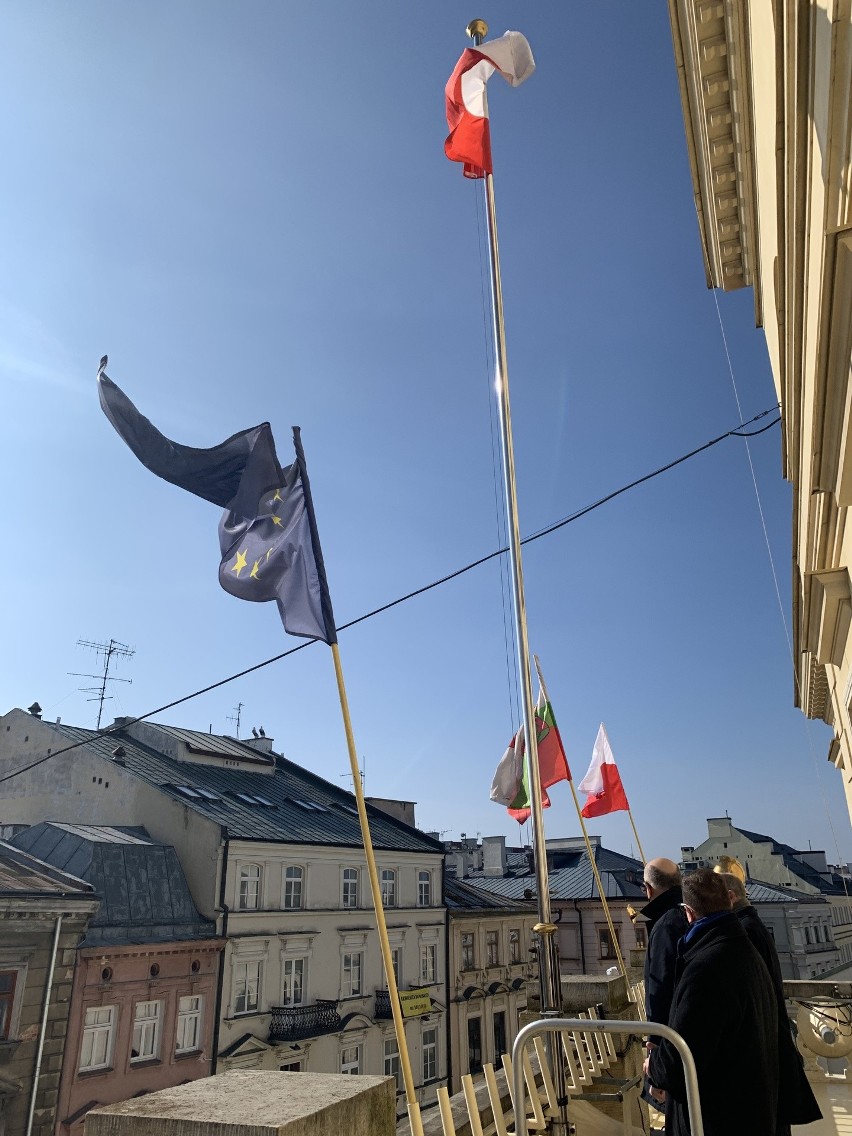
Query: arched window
x,y
349,896
388,887
293,877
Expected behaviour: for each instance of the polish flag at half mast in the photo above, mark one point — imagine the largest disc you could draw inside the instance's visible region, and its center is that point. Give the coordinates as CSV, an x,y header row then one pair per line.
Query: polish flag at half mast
x,y
469,140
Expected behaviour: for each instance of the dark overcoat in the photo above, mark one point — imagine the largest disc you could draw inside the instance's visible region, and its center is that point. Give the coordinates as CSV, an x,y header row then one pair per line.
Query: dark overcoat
x,y
796,1101
667,924
724,1007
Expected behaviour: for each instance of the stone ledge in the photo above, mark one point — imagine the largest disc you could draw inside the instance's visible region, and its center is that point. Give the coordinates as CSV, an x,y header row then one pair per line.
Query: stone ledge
x,y
246,1102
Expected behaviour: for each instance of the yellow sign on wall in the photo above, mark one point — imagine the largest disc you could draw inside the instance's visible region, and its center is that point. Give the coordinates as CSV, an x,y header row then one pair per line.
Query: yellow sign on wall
x,y
415,1003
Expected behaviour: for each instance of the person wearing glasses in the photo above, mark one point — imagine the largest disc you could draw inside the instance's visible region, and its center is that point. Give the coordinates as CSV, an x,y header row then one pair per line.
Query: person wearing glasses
x,y
724,1008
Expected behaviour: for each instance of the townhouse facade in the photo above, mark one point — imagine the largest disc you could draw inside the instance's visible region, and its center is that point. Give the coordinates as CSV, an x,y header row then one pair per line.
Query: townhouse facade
x,y
273,856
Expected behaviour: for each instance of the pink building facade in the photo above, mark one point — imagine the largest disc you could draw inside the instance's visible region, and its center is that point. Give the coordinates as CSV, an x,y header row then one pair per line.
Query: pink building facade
x,y
142,1018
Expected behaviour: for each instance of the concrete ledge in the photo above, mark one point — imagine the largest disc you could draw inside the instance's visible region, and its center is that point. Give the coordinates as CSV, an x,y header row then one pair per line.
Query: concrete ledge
x,y
246,1102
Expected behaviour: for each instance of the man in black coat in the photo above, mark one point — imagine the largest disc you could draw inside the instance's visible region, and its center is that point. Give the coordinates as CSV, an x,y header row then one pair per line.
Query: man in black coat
x,y
666,925
796,1102
724,1008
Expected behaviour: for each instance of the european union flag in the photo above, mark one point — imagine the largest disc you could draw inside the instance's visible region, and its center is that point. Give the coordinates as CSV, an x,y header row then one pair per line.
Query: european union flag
x,y
268,535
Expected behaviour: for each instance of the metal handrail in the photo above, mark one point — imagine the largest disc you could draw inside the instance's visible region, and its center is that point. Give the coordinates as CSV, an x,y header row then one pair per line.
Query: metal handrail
x,y
597,1025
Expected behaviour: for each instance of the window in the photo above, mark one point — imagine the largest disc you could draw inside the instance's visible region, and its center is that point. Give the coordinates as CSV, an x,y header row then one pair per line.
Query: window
x,y
807,934
292,888
294,982
492,947
98,1030
468,955
392,1062
146,1031
424,889
514,945
350,887
246,986
249,897
388,888
291,1067
641,936
188,1033
353,965
350,1060
606,948
428,968
430,1054
8,981
396,963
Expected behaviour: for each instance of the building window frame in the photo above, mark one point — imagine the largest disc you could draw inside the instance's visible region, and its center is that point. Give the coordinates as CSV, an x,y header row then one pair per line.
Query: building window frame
x,y
98,1040
293,897
606,949
388,881
391,1066
190,1015
514,945
247,986
294,984
429,1053
468,950
249,887
349,881
428,964
424,888
352,974
492,948
147,1027
350,1059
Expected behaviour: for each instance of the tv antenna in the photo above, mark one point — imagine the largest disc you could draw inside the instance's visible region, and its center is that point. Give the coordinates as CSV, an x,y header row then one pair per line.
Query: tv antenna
x,y
235,717
109,651
362,773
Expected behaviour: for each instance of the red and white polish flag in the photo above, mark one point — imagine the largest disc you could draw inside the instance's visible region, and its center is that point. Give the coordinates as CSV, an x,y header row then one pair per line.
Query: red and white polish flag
x,y
469,140
602,782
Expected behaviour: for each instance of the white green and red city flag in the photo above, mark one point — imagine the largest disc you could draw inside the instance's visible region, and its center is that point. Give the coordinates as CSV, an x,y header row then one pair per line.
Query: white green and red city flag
x,y
510,786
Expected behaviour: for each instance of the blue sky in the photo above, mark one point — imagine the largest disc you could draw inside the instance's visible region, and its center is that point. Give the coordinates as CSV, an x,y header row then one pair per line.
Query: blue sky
x,y
248,208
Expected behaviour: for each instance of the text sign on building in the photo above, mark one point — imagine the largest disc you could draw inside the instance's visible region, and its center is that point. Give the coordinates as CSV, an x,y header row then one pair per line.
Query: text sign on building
x,y
415,1003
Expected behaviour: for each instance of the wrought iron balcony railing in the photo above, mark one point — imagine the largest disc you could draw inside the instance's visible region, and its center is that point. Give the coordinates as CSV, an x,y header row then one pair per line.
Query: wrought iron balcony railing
x,y
292,1023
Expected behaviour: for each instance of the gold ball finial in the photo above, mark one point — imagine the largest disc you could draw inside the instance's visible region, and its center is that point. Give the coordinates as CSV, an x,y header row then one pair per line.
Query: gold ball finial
x,y
477,28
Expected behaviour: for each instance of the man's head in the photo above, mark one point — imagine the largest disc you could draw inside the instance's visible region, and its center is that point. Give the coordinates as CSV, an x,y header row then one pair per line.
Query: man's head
x,y
659,876
704,893
736,889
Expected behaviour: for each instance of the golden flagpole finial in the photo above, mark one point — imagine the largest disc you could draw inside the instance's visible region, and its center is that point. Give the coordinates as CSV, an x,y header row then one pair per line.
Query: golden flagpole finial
x,y
477,28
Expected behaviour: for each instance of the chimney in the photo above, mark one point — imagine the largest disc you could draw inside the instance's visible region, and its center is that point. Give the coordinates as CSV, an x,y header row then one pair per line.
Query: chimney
x,y
494,855
35,710
261,743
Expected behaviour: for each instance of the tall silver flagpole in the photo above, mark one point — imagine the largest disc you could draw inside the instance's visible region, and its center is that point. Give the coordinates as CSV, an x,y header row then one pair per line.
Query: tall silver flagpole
x,y
551,990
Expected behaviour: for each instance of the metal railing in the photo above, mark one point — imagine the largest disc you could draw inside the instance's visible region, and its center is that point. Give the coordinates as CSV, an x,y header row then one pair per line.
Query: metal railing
x,y
292,1023
562,1025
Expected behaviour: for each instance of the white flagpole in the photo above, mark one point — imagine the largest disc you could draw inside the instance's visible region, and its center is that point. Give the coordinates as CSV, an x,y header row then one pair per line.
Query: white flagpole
x,y
551,989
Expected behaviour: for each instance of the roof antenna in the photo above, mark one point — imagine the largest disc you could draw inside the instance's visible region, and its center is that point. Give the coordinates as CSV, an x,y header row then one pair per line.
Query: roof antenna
x,y
235,717
110,651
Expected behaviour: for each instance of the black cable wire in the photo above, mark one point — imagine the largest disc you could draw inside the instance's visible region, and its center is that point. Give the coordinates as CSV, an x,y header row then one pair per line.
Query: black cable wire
x,y
737,432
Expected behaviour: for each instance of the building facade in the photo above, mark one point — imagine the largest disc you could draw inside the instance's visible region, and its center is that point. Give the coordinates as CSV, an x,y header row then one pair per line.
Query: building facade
x,y
43,915
273,855
143,1001
765,95
490,963
804,904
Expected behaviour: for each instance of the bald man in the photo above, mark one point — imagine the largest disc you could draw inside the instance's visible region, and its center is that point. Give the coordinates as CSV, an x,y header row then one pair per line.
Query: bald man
x,y
667,924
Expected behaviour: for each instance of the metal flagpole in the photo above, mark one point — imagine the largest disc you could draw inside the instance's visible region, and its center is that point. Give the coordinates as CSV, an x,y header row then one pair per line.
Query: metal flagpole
x,y
551,990
589,850
375,887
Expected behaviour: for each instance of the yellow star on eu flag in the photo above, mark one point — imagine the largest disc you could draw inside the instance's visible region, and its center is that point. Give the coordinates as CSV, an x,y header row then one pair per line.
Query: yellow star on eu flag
x,y
255,570
239,563
276,520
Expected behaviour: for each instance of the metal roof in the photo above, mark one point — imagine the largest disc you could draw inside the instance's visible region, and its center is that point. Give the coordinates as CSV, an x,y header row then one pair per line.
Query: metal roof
x,y
22,874
760,892
144,894
288,804
621,877
459,895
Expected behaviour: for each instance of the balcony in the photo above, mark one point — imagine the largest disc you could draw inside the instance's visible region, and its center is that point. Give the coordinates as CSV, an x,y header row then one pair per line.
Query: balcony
x,y
293,1023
